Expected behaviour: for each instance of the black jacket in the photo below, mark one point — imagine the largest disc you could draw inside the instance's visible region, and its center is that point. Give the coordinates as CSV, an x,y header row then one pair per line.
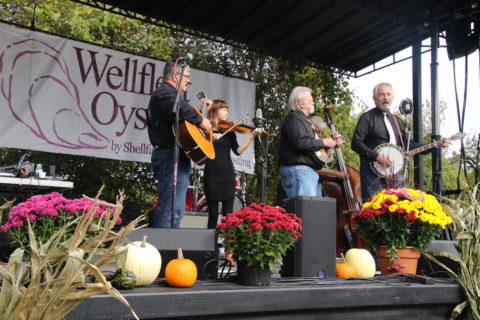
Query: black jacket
x,y
160,117
297,142
371,132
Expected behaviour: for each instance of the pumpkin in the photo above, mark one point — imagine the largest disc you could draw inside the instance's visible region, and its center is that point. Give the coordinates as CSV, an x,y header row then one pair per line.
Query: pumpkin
x,y
363,262
181,272
345,270
142,259
123,280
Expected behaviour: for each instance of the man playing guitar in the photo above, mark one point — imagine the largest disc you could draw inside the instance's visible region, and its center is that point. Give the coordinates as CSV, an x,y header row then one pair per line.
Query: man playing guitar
x,y
160,120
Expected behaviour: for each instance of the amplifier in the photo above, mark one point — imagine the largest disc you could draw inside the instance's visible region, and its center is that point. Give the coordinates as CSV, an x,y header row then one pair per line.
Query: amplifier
x,y
198,245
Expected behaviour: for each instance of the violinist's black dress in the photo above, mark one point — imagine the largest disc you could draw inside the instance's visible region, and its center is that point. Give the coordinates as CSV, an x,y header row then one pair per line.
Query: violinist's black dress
x,y
219,178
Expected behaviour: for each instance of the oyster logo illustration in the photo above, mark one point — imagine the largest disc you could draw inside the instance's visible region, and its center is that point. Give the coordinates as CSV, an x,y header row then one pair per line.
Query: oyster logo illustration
x,y
64,123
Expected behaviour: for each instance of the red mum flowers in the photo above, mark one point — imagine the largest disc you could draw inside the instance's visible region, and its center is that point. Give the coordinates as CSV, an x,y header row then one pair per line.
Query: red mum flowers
x,y
260,234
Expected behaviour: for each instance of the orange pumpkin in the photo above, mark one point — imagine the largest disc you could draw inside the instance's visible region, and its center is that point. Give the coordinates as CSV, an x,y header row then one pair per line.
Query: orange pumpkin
x,y
345,270
181,272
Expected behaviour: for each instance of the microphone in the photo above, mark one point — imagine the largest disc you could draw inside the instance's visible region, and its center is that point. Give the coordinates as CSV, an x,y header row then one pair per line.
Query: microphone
x,y
406,106
259,120
186,57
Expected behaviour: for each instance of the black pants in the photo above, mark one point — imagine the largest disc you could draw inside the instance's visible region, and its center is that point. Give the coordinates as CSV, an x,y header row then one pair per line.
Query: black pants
x,y
227,207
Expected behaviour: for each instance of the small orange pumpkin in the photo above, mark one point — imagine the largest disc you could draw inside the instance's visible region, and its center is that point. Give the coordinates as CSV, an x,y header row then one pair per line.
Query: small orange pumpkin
x,y
345,270
181,272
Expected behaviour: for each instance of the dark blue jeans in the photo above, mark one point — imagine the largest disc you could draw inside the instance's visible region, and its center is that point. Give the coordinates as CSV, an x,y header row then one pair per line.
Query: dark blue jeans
x,y
371,183
162,163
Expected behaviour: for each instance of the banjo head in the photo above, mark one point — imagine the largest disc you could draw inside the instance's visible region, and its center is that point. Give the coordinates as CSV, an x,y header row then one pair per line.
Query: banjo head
x,y
393,152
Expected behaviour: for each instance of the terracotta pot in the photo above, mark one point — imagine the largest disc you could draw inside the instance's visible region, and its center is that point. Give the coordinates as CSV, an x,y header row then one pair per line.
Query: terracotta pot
x,y
253,275
406,263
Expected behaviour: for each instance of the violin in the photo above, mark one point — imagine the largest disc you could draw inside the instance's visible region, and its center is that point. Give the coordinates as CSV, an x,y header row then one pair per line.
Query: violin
x,y
240,128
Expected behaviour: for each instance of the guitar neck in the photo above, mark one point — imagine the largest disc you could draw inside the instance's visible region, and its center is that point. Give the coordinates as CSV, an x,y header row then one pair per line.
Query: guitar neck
x,y
203,109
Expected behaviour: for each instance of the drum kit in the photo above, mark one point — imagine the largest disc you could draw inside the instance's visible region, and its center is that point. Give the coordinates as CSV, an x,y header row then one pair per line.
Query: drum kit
x,y
196,201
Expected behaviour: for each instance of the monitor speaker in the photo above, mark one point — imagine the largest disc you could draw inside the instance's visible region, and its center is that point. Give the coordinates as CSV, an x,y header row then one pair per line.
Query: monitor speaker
x,y
198,245
429,268
314,253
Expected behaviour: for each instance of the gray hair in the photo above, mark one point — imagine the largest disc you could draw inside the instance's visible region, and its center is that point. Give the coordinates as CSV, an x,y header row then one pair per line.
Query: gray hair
x,y
297,95
171,68
375,89
318,122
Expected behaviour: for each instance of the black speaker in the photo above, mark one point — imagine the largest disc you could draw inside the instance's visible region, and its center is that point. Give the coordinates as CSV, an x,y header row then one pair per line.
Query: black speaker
x,y
131,211
314,254
198,245
462,37
5,248
429,268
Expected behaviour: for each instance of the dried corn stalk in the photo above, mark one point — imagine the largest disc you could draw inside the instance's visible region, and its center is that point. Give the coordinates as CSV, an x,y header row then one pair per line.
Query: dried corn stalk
x,y
465,212
51,282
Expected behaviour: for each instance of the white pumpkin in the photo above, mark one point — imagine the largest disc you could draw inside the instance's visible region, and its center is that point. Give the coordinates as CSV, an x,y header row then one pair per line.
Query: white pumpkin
x,y
141,258
363,261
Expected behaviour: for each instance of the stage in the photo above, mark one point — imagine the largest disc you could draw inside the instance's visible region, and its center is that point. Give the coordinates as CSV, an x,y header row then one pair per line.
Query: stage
x,y
286,298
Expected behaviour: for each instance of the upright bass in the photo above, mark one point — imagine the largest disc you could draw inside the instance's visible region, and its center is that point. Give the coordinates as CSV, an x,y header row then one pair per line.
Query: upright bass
x,y
348,194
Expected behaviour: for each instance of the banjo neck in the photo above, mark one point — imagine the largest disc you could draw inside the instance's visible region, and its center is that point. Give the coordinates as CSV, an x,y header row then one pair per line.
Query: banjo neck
x,y
423,148
431,145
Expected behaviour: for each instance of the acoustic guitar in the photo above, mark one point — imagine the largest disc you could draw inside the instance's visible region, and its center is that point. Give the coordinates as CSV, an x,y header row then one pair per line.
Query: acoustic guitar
x,y
196,142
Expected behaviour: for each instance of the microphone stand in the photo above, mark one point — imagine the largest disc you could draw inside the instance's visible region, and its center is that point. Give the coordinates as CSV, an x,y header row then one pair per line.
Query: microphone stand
x,y
407,147
176,151
263,179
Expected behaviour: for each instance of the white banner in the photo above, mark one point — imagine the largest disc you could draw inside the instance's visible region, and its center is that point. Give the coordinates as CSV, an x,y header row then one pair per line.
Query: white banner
x,y
64,96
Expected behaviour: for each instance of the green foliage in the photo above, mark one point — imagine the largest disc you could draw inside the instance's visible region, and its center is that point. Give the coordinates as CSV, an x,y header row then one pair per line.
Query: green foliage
x,y
82,22
452,177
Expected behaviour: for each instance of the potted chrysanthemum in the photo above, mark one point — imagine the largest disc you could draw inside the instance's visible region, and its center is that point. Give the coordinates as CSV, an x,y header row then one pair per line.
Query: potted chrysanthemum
x,y
258,235
67,241
394,219
46,214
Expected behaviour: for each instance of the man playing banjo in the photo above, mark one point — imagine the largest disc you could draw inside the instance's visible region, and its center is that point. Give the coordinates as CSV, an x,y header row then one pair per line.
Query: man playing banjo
x,y
377,129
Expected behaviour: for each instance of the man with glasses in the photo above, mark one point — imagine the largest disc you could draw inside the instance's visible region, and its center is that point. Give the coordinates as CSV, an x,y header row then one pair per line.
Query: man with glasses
x,y
160,121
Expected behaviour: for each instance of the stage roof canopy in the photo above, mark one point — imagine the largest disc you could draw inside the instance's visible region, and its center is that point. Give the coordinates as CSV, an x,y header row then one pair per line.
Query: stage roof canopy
x,y
349,35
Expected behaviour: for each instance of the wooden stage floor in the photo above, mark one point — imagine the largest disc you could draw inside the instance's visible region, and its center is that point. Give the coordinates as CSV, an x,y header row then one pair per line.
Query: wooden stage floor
x,y
287,298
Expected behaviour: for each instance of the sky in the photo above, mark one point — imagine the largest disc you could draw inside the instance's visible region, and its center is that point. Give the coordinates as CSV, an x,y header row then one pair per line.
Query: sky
x,y
400,76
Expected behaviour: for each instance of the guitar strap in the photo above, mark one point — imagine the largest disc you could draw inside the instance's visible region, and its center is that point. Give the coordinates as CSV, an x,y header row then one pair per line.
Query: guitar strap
x,y
399,132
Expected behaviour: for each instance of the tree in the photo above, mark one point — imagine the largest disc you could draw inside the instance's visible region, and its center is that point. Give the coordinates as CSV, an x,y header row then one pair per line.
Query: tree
x,y
451,177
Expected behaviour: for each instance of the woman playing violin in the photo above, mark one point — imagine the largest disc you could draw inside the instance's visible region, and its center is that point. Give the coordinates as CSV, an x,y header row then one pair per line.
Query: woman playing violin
x,y
219,175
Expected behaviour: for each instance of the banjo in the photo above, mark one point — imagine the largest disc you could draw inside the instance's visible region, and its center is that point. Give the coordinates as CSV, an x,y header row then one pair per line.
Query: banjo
x,y
399,156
